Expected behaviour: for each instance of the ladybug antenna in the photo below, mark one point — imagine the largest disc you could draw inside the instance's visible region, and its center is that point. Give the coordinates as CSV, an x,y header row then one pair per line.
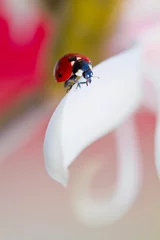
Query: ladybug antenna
x,y
96,77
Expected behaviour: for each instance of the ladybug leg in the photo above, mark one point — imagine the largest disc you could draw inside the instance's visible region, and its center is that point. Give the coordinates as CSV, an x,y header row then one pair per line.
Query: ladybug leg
x,y
89,80
86,82
80,83
73,77
68,85
69,89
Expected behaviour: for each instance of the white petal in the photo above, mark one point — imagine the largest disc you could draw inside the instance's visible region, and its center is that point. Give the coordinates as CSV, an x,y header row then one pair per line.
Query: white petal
x,y
151,48
150,41
157,130
128,183
154,74
157,148
88,113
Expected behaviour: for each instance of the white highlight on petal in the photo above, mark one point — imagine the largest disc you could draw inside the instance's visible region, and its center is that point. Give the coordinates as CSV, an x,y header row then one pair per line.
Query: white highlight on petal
x,y
128,183
88,113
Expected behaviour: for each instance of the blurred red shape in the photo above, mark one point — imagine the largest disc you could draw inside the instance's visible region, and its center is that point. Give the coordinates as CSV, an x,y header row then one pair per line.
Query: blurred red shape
x,y
22,66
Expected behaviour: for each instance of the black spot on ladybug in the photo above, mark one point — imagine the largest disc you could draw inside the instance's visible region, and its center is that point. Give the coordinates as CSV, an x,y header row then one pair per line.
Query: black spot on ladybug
x,y
60,75
73,58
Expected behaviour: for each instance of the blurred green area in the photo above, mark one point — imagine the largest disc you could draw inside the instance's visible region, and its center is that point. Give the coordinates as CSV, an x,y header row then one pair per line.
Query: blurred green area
x,y
81,27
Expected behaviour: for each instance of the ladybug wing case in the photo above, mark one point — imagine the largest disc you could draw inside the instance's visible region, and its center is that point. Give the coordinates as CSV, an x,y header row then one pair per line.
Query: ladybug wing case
x,y
63,70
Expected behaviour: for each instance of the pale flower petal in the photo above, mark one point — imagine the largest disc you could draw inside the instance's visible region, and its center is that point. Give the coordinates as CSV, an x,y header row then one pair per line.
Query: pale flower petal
x,y
157,144
86,114
128,182
151,48
154,74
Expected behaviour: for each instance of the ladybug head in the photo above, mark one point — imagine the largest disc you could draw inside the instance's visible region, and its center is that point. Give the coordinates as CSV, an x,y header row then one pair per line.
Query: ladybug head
x,y
88,74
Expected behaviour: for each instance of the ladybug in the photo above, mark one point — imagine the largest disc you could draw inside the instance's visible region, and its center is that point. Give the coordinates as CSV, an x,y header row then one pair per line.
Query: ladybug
x,y
70,67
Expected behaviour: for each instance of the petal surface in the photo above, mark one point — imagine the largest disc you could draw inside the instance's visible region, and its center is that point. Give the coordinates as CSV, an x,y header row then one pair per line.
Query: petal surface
x,y
128,183
86,114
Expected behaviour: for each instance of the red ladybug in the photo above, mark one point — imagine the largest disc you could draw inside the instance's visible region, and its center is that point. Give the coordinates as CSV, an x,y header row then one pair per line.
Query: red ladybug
x,y
70,67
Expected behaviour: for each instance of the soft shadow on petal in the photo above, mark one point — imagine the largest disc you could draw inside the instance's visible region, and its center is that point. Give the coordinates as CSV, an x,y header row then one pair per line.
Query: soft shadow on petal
x,y
157,144
88,113
157,130
128,183
154,74
151,52
150,41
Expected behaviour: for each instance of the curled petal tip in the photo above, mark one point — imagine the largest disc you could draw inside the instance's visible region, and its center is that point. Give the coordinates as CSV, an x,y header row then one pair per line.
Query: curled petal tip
x,y
94,212
59,176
